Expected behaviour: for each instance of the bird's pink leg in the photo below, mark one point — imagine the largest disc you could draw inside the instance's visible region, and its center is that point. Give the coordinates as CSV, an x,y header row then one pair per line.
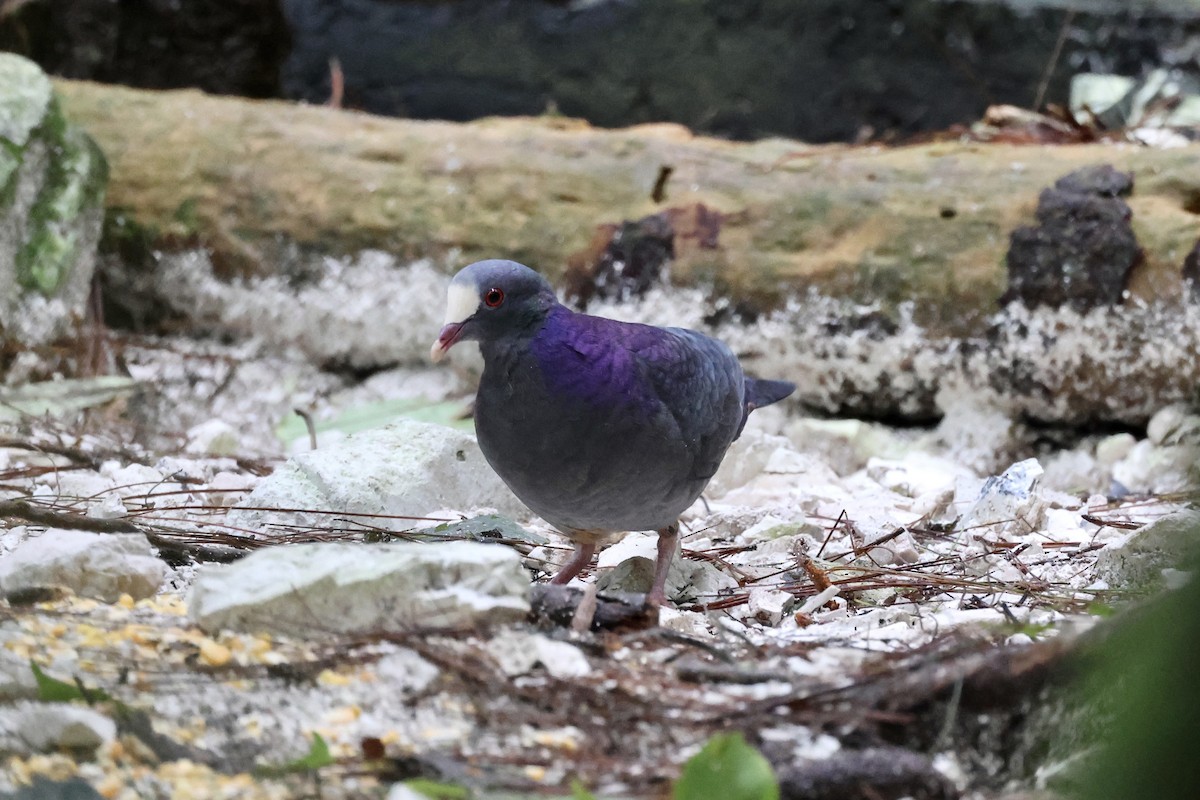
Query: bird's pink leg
x,y
667,539
581,558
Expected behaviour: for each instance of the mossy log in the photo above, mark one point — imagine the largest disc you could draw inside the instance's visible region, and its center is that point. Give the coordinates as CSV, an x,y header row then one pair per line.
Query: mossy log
x,y
926,223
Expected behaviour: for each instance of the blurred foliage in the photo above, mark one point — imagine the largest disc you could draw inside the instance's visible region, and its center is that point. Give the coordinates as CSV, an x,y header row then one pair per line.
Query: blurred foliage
x,y
727,769
1148,668
52,690
318,756
452,413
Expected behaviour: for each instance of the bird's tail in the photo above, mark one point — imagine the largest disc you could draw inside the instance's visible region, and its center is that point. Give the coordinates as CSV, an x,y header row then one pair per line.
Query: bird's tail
x,y
761,393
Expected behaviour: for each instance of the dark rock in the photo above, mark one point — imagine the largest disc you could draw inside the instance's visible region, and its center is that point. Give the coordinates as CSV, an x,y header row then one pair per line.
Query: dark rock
x,y
626,260
43,788
1083,248
822,70
881,773
1191,269
555,606
220,47
1098,179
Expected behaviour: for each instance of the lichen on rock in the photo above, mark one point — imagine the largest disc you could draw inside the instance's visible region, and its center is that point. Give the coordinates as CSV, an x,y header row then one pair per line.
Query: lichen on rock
x,y
52,184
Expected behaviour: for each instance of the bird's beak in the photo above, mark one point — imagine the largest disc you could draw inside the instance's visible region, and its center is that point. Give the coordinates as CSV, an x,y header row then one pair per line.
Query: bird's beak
x,y
462,301
446,339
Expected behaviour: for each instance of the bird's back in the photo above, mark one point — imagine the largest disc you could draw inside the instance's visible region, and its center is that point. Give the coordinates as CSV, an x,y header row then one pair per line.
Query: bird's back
x,y
604,426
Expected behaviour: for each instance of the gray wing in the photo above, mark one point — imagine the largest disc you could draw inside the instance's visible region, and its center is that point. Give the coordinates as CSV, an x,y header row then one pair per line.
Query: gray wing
x,y
700,385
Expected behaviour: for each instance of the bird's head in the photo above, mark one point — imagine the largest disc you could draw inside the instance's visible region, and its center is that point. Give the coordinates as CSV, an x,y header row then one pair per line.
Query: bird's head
x,y
491,299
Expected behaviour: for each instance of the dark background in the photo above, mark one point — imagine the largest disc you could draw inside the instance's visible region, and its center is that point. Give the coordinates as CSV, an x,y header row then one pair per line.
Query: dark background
x,y
818,70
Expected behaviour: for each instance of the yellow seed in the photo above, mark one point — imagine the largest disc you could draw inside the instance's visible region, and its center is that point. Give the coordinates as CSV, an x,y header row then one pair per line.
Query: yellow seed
x,y
110,786
344,715
214,654
125,600
331,678
535,773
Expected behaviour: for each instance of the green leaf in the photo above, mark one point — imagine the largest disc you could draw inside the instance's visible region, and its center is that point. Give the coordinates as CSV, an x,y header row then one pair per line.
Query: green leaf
x,y
727,769
578,792
437,791
60,398
52,690
484,528
451,413
318,756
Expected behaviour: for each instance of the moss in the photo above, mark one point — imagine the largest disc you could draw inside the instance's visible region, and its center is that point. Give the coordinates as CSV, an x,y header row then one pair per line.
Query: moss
x,y
123,236
10,160
75,182
23,100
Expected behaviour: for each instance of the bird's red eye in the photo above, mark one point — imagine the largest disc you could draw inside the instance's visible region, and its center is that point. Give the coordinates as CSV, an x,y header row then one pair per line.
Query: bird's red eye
x,y
493,298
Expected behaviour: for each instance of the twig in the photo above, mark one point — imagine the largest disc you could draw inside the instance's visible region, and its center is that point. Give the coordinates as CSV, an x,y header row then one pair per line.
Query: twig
x,y
308,423
1054,56
44,516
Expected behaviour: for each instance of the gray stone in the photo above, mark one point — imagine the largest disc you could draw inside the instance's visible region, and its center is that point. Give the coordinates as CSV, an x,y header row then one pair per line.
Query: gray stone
x,y
52,181
352,588
1007,502
1139,561
16,677
407,469
99,565
518,652
41,727
632,570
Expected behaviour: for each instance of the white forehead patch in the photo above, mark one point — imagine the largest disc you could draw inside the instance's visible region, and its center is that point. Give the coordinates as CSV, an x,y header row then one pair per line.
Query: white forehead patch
x,y
461,302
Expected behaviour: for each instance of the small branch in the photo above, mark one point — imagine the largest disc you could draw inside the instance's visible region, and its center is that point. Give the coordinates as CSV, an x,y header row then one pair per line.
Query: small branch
x,y
56,519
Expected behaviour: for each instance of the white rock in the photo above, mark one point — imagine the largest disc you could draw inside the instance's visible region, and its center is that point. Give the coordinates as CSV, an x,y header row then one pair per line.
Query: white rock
x,y
41,727
518,652
80,484
745,460
976,431
1173,425
111,507
1155,469
355,588
845,444
916,473
1007,502
215,437
406,672
768,605
1112,449
1141,558
16,678
1075,471
136,479
406,469
99,565
401,792
692,623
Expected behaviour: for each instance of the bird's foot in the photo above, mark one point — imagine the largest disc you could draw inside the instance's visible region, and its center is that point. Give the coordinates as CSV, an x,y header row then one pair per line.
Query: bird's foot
x,y
575,565
668,538
656,599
